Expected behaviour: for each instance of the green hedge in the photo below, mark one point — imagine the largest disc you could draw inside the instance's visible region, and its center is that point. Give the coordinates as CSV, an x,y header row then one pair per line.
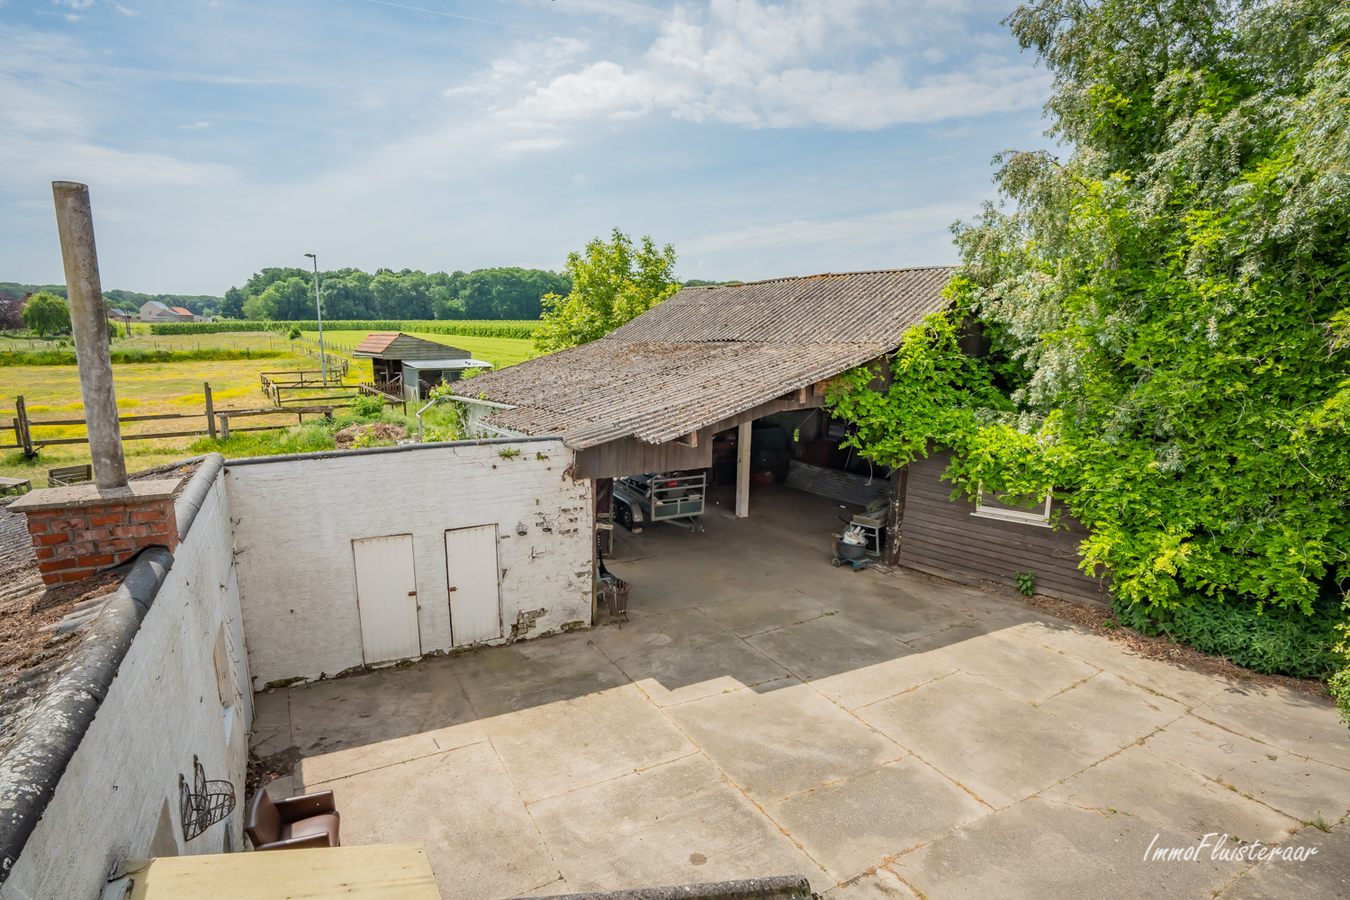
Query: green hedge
x,y
469,328
1277,641
212,327
67,357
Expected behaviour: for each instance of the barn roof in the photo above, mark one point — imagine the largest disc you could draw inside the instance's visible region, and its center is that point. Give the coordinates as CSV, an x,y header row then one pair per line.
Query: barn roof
x,y
376,342
709,353
395,345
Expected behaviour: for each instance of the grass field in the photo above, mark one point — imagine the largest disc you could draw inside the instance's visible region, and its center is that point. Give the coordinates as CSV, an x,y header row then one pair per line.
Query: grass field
x,y
53,392
501,352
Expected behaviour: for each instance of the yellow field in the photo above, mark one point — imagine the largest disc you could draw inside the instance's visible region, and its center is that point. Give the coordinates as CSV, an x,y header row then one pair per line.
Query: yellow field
x,y
53,392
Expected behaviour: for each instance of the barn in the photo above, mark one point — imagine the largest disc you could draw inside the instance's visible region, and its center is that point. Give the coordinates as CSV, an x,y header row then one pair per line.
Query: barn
x,y
731,380
406,368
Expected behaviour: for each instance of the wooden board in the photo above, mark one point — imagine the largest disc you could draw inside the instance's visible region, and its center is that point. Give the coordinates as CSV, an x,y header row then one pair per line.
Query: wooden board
x,y
374,872
940,536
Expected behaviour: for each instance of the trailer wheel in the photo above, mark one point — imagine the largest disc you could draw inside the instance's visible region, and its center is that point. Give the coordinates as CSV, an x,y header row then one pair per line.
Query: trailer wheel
x,y
835,562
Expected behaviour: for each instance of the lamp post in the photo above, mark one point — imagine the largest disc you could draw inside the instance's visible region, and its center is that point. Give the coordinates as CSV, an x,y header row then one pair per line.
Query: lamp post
x,y
318,308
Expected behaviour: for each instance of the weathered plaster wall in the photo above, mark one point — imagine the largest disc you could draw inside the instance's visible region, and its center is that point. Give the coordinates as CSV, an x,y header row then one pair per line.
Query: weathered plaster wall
x,y
295,521
162,708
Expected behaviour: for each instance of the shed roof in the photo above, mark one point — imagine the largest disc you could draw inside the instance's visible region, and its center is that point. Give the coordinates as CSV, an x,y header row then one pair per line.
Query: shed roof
x,y
397,345
181,311
709,353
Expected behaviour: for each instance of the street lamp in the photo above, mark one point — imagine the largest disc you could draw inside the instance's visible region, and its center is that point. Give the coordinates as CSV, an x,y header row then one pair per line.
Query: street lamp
x,y
318,308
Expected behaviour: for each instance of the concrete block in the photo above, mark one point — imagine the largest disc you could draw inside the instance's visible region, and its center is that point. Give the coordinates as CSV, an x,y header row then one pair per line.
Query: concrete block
x,y
678,823
568,744
781,742
1294,722
998,747
855,825
1114,709
1018,667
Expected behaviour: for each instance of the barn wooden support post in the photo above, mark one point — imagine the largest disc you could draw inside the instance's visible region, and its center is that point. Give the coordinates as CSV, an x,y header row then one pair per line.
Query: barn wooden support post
x,y
743,470
89,326
895,515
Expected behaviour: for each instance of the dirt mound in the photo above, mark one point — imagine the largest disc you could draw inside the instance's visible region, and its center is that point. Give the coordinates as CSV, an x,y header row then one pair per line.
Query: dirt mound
x,y
369,435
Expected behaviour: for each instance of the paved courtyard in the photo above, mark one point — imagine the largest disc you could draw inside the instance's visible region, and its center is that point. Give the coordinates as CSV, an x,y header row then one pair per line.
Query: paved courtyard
x,y
763,713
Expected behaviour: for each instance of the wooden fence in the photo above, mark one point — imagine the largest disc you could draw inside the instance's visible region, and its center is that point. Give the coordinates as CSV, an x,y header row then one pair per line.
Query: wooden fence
x,y
22,424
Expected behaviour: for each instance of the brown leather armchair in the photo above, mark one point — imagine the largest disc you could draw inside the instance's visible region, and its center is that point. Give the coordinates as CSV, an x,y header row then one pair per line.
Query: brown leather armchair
x,y
309,821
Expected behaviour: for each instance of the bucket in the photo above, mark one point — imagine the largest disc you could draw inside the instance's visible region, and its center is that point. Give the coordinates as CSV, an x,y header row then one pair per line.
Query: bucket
x,y
616,597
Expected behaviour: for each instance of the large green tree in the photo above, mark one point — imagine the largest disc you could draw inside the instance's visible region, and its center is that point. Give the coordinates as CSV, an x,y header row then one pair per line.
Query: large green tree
x,y
612,282
1166,302
46,313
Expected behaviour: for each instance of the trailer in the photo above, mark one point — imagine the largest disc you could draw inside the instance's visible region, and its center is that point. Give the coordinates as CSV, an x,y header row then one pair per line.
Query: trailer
x,y
660,497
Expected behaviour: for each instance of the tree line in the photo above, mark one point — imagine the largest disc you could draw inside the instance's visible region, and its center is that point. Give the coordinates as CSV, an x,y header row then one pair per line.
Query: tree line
x,y
12,294
288,293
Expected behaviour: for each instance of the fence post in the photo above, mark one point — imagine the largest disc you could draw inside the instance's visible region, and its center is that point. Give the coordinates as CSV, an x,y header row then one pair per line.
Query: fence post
x,y
210,412
224,427
22,431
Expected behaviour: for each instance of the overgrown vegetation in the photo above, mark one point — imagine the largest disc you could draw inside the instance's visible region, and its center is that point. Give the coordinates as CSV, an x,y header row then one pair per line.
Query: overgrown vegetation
x,y
611,284
521,330
310,437
1167,313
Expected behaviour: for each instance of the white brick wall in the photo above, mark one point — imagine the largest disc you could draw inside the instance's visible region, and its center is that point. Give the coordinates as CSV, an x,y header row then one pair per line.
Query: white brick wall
x,y
295,521
162,708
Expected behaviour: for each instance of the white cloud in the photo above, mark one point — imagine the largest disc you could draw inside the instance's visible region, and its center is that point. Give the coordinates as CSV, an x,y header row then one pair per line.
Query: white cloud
x,y
845,64
196,125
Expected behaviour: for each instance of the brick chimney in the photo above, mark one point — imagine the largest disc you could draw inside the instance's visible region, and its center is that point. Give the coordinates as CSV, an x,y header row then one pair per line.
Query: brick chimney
x,y
80,529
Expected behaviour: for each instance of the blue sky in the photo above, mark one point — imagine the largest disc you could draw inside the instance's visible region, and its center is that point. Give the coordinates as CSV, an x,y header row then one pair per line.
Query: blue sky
x,y
760,138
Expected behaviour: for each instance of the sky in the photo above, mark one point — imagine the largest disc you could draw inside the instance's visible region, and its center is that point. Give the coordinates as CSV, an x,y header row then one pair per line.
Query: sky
x,y
762,139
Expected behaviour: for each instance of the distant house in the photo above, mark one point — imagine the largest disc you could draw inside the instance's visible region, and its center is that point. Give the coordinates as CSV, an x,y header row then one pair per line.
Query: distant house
x,y
407,367
153,311
121,316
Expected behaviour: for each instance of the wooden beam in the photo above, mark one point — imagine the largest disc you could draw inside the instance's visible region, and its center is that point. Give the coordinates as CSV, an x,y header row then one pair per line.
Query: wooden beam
x,y
743,471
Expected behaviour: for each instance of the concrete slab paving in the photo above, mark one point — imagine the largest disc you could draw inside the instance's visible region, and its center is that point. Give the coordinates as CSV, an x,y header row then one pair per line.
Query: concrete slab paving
x,y
684,655
504,679
855,825
1021,668
678,823
998,747
1296,723
1172,681
461,804
1299,787
779,743
879,885
1114,709
569,744
1323,874
765,610
1041,850
676,748
1138,782
329,716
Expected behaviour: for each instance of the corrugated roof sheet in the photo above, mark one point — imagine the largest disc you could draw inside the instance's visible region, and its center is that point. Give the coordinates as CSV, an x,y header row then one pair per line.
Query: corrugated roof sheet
x,y
709,353
376,342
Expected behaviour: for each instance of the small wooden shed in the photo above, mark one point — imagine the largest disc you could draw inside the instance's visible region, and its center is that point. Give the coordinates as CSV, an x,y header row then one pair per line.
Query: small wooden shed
x,y
408,367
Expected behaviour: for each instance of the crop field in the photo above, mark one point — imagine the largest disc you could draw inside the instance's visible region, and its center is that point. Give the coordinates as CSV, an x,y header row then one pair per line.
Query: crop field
x,y
53,393
158,388
501,352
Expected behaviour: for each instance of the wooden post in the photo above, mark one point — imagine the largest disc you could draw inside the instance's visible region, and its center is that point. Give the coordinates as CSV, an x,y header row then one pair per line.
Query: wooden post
x,y
895,515
743,470
22,432
210,412
224,427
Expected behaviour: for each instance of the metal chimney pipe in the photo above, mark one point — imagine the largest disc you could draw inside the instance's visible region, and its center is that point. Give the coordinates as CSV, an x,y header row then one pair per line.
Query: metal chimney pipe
x,y
89,323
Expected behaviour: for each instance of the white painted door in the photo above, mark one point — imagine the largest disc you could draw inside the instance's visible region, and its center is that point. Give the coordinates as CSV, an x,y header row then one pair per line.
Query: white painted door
x,y
386,593
471,569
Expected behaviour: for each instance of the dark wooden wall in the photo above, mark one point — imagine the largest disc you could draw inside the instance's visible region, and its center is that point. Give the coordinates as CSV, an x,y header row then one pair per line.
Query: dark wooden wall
x,y
631,456
941,537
